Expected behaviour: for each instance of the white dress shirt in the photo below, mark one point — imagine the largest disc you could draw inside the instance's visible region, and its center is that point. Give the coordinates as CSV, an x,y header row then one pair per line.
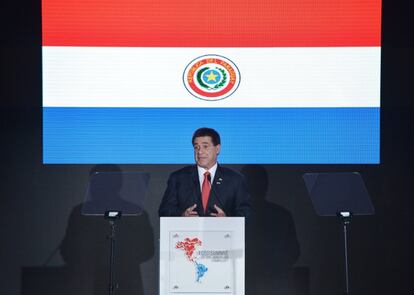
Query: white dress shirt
x,y
201,172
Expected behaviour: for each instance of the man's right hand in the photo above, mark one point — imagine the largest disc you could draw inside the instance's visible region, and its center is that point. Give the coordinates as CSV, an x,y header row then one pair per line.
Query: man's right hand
x,y
189,212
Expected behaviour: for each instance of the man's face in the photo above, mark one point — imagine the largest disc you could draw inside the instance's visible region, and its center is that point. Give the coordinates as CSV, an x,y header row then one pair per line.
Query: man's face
x,y
205,152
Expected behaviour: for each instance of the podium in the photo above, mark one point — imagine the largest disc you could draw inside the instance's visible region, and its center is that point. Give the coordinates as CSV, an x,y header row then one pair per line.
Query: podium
x,y
202,255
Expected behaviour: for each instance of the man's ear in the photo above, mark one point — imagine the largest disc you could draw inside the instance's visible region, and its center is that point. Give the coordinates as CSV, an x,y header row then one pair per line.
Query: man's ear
x,y
218,148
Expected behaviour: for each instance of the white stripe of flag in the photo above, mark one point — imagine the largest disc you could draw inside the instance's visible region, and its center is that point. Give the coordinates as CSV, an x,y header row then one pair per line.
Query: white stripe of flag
x,y
152,77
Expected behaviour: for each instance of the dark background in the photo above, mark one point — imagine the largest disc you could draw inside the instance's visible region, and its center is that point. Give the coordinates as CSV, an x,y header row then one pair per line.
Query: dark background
x,y
37,200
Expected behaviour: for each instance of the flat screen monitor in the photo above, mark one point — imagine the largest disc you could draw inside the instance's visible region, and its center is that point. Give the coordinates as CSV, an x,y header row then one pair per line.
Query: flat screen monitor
x,y
283,82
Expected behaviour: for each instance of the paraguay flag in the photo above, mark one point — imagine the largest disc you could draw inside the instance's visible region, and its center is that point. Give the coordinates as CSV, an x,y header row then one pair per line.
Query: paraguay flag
x,y
283,81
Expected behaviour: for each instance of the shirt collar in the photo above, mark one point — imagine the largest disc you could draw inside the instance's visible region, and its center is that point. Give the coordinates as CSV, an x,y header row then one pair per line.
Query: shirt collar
x,y
201,172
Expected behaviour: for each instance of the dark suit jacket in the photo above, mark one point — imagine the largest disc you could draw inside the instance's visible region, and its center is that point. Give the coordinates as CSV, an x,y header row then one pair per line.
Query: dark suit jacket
x,y
228,191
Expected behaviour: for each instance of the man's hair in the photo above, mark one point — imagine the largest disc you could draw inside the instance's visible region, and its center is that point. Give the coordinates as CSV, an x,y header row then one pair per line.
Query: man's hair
x,y
200,132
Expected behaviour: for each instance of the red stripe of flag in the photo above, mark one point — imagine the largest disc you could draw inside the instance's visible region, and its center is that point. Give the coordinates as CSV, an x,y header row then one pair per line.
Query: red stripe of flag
x,y
211,23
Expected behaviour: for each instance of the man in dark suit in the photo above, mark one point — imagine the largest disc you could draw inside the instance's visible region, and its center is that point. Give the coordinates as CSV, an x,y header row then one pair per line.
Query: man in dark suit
x,y
206,189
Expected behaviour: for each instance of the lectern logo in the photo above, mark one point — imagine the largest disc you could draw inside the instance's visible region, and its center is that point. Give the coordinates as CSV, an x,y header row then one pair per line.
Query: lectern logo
x,y
189,247
211,77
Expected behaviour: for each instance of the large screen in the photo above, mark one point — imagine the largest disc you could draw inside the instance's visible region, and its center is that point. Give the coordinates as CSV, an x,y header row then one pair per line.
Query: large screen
x,y
282,81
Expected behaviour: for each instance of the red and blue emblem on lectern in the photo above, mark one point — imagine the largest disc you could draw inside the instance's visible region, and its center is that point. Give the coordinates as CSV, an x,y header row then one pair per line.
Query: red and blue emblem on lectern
x,y
189,247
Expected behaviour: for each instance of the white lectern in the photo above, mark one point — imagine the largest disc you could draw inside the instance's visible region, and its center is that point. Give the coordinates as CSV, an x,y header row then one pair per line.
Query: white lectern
x,y
202,255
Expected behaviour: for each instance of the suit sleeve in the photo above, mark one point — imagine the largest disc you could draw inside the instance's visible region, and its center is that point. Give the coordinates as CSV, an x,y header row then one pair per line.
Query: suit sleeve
x,y
169,203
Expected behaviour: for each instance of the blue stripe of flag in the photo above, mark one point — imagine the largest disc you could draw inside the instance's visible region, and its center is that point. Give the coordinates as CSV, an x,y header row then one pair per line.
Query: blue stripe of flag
x,y
249,135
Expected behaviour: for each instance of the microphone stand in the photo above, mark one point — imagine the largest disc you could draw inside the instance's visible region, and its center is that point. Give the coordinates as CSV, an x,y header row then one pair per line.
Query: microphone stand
x,y
112,216
345,218
215,193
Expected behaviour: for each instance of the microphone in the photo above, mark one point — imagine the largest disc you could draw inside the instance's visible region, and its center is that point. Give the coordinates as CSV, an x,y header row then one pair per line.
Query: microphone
x,y
215,193
193,194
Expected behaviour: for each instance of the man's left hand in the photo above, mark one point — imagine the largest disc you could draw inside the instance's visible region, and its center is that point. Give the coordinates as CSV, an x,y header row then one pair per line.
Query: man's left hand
x,y
220,212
